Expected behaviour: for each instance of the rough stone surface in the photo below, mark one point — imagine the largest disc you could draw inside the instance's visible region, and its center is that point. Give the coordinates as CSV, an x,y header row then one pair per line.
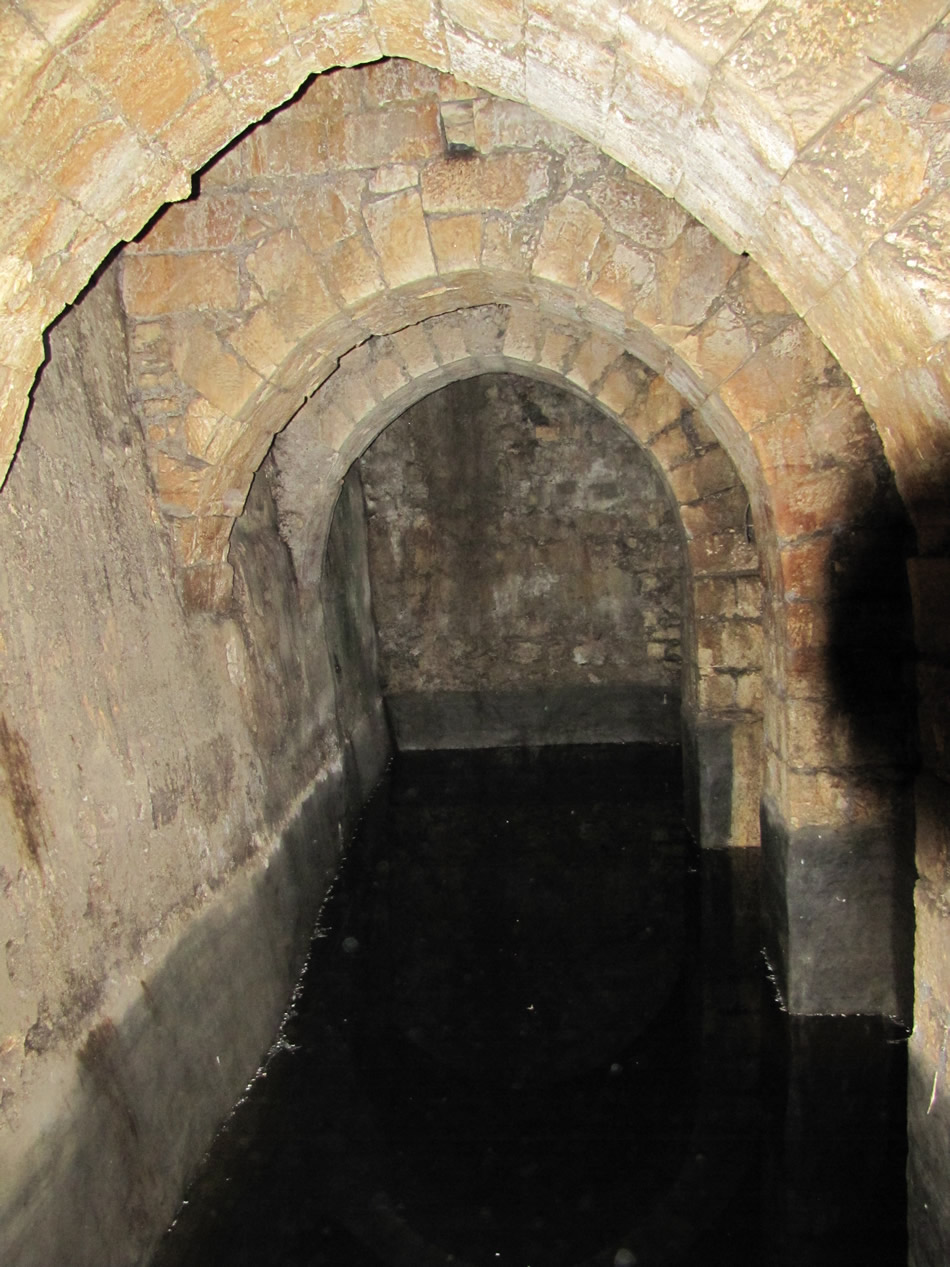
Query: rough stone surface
x,y
519,539
149,764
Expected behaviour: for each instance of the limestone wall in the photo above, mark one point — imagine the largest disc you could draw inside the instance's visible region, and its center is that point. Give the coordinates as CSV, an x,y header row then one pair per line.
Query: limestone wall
x,y
174,790
527,569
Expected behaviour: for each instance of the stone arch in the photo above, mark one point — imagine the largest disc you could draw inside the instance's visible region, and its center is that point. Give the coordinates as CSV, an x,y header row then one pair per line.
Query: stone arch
x,y
242,301
722,637
749,117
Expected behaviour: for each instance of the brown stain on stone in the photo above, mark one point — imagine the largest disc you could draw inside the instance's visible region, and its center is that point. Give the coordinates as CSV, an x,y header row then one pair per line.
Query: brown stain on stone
x,y
21,781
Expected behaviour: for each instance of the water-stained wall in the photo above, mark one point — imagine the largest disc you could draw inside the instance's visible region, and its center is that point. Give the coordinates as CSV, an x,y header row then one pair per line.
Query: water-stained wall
x,y
174,792
527,571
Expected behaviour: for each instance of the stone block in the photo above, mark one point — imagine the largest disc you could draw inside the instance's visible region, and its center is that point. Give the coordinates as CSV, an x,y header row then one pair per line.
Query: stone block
x,y
563,62
620,274
398,134
261,341
153,285
503,182
391,177
134,34
499,20
838,916
816,501
207,588
203,539
690,277
703,476
492,66
457,242
205,364
592,359
412,29
353,270
398,229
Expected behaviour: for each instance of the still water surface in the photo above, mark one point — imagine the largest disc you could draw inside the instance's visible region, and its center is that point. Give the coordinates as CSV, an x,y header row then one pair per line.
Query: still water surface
x,y
536,1030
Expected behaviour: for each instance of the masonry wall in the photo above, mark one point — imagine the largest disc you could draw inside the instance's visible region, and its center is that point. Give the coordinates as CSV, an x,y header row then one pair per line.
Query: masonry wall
x,y
174,791
527,571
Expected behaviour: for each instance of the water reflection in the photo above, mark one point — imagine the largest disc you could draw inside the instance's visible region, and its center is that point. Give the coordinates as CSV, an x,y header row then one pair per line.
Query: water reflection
x,y
535,1030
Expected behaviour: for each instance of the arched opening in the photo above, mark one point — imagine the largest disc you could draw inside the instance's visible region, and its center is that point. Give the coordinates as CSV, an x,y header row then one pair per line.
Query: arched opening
x,y
120,839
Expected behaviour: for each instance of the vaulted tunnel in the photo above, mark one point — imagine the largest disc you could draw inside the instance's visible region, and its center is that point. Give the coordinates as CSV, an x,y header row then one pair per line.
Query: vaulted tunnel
x,y
164,632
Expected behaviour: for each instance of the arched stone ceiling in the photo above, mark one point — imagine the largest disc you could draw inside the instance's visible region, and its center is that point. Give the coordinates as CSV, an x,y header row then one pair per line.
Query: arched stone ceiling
x,y
810,133
345,218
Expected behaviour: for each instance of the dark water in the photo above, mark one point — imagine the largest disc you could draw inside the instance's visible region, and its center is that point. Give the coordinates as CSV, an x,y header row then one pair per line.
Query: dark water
x,y
536,1031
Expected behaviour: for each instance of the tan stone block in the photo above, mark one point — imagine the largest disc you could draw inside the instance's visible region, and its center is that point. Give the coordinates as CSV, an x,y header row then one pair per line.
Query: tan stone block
x,y
822,798
213,221
691,275
350,40
207,366
156,284
814,501
791,376
449,341
392,177
807,568
567,243
202,129
261,341
398,229
352,270
636,211
507,247
499,20
557,349
295,144
102,169
592,359
524,335
413,345
389,377
179,484
716,514
620,273
396,80
328,212
411,29
49,107
300,15
622,388
563,63
808,71
482,61
717,692
398,134
292,282
717,347
714,597
749,691
58,18
671,447
503,182
457,242
237,34
133,34
15,384
201,539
